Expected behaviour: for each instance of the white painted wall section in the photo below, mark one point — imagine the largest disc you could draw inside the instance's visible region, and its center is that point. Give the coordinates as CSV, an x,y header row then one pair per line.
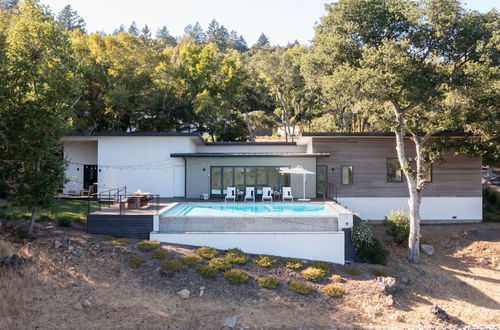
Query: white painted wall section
x,y
80,152
322,246
433,209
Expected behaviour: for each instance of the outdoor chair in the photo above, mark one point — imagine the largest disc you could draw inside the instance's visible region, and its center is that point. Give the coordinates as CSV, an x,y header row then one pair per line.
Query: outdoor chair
x,y
267,193
231,194
287,193
250,193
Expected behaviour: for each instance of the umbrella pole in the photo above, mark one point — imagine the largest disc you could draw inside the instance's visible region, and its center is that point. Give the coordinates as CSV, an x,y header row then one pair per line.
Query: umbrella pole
x,y
304,187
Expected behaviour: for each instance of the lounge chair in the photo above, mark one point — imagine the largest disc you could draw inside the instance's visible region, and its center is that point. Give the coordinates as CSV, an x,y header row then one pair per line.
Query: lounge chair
x,y
267,193
287,193
231,194
250,193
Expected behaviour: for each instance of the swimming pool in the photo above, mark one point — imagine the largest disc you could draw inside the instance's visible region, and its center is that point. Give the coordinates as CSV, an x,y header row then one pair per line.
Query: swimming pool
x,y
248,210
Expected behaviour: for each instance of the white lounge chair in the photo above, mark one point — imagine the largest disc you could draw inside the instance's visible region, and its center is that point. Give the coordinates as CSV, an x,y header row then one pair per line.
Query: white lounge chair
x,y
267,193
287,193
231,194
250,193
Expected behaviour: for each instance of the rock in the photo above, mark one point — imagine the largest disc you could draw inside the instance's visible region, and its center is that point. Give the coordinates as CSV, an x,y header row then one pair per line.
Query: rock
x,y
77,306
202,291
439,313
401,318
427,249
387,285
483,261
438,280
57,244
86,303
184,293
389,301
14,261
231,321
405,280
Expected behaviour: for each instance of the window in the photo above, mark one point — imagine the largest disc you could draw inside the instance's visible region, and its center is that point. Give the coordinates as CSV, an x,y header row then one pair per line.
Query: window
x,y
427,169
346,172
394,171
321,181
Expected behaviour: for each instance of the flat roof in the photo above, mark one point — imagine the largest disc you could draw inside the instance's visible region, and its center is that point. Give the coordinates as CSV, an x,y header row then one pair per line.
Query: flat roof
x,y
132,134
348,134
270,143
248,154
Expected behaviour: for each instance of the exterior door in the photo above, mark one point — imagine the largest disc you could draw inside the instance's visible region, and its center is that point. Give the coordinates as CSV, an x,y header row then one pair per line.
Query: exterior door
x,y
89,175
179,182
321,181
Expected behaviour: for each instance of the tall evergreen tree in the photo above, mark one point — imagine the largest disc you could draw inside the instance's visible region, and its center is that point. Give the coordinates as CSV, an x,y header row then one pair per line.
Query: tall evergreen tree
x,y
146,34
70,19
196,33
133,29
165,37
237,42
263,41
120,29
218,34
8,5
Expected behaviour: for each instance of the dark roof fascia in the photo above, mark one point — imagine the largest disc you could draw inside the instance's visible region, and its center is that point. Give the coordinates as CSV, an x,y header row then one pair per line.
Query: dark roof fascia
x,y
133,134
251,143
376,134
232,155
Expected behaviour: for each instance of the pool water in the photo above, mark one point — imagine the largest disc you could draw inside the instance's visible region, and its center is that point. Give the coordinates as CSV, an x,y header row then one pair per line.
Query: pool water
x,y
249,209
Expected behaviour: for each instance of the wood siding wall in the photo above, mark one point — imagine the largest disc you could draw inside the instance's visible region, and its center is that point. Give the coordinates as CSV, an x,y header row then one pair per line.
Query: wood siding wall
x,y
130,226
455,176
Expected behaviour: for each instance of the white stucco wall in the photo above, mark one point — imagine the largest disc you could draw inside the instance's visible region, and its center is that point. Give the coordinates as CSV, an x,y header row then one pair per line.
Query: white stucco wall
x,y
144,163
81,152
433,209
251,148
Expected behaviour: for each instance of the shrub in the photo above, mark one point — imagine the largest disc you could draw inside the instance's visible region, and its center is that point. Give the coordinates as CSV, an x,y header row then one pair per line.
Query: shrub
x,y
321,265
206,252
147,245
236,256
293,263
20,233
300,287
159,254
120,241
64,221
398,225
337,278
313,274
207,271
375,253
368,247
265,261
333,290
352,271
268,282
171,265
219,264
136,262
379,273
191,259
45,217
236,276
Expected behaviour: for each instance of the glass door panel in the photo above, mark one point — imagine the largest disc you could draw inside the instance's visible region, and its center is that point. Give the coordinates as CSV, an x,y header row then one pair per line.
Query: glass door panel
x,y
216,181
250,176
261,179
321,180
227,179
239,179
273,176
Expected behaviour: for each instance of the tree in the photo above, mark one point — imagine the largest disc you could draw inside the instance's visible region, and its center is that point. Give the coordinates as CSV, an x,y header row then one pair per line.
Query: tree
x,y
8,5
263,41
237,42
419,61
196,33
146,35
133,29
120,29
165,38
70,19
218,34
41,86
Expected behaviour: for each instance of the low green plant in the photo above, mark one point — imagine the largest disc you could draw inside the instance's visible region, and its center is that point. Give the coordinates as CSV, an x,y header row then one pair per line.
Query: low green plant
x,y
207,271
236,256
379,273
313,274
108,238
64,221
353,271
337,278
321,265
368,247
265,261
268,282
300,287
219,264
147,245
236,276
45,217
136,262
206,252
171,265
191,259
333,290
159,254
293,263
397,224
120,241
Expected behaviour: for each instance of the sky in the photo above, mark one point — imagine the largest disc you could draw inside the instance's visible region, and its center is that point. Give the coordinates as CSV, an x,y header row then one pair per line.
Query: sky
x,y
282,21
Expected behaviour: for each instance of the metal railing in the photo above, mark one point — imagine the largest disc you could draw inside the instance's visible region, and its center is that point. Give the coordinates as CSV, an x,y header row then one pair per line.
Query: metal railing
x,y
332,191
121,197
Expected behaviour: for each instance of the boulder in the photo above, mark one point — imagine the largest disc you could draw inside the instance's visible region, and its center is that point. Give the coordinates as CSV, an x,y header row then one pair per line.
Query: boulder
x,y
77,306
389,301
202,291
427,249
184,293
439,313
57,244
231,321
405,280
387,285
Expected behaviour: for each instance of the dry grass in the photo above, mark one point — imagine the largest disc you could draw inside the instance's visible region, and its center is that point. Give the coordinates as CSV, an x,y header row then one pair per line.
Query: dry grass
x,y
5,248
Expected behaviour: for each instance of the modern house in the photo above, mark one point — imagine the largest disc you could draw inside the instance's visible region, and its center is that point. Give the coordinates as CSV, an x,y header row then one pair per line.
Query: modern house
x,y
359,170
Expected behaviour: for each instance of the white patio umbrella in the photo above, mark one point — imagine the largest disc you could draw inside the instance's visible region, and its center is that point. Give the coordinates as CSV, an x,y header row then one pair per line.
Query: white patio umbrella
x,y
299,170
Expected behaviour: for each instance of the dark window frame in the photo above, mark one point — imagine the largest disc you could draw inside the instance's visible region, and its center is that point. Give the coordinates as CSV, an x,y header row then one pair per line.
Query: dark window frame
x,y
351,176
387,171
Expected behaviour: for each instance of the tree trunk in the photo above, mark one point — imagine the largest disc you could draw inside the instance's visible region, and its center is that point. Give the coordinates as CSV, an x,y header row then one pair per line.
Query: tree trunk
x,y
31,223
251,135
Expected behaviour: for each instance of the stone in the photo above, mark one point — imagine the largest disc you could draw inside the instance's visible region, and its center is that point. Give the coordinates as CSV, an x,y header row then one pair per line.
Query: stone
x,y
14,261
401,318
57,244
439,313
86,303
77,306
202,291
483,261
231,321
405,280
427,249
184,293
389,301
387,285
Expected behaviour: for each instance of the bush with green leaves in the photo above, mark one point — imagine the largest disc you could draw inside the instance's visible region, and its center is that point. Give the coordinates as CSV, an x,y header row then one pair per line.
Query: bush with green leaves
x,y
265,261
191,259
300,287
120,241
219,264
293,263
136,262
268,282
398,225
63,221
148,245
313,274
321,265
236,256
368,247
333,290
159,254
207,252
236,276
171,265
207,271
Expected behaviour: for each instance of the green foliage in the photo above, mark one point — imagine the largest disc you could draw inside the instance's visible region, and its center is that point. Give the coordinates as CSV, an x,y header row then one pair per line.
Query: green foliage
x,y
353,271
148,245
313,274
159,254
333,290
368,247
219,264
236,256
236,276
337,278
293,263
300,288
206,252
64,221
398,225
491,205
265,261
120,241
321,266
191,259
136,262
171,265
268,282
207,271
379,273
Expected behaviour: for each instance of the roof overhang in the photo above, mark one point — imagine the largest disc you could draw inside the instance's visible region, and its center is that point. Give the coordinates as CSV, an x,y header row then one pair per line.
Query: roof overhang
x,y
247,154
